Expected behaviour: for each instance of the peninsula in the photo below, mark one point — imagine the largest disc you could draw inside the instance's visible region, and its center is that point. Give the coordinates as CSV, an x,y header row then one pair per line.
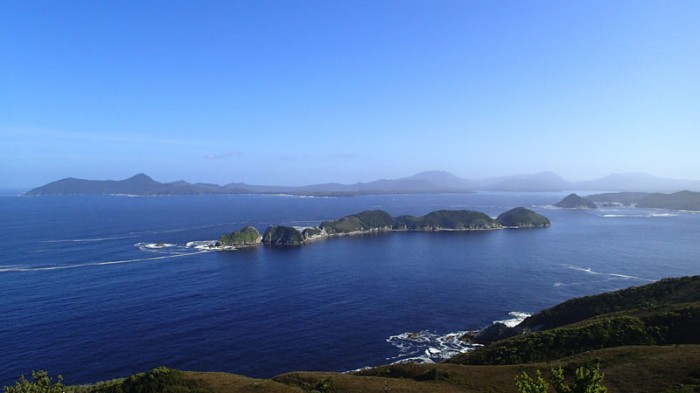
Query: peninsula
x,y
379,221
682,200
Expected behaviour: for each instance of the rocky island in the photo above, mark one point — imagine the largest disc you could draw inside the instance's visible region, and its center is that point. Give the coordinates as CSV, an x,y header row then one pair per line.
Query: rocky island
x,y
379,221
573,201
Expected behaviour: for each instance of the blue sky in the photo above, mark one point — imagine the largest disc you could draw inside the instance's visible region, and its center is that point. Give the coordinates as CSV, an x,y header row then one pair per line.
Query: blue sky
x,y
301,92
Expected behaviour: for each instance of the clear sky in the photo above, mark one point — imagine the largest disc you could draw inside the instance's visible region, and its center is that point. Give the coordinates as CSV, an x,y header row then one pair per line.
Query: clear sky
x,y
301,92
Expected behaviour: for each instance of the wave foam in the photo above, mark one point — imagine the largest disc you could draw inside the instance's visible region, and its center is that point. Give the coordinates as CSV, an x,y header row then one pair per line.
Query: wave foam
x,y
25,269
612,275
428,347
517,318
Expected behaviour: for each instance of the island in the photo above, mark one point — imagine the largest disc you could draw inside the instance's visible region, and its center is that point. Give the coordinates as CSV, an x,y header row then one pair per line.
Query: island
x,y
573,201
521,217
682,200
613,199
379,221
247,236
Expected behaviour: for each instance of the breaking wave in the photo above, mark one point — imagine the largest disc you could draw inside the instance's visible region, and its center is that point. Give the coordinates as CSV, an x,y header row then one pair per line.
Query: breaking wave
x,y
430,347
517,317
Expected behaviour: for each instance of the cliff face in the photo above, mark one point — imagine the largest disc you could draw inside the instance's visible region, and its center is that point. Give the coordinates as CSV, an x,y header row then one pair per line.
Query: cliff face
x,y
276,235
574,201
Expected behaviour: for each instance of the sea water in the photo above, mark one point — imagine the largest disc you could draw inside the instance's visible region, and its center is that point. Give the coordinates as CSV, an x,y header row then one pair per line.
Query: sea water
x,y
81,295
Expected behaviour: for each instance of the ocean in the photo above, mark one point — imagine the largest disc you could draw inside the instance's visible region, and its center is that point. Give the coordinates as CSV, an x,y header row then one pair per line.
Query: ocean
x,y
81,296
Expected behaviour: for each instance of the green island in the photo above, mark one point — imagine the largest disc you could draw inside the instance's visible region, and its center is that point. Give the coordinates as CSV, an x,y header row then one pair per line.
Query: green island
x,y
639,339
574,201
379,221
682,200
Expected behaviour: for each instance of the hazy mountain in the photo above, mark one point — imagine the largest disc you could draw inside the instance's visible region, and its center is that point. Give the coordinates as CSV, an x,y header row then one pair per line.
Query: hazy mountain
x,y
424,182
640,182
136,185
543,181
444,179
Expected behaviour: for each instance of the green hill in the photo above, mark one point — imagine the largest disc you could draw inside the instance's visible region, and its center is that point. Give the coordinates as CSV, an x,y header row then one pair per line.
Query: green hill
x,y
446,220
573,201
661,313
683,200
521,217
373,220
245,237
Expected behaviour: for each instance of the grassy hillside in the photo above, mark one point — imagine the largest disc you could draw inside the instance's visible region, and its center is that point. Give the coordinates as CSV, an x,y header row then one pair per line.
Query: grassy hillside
x,y
661,313
666,369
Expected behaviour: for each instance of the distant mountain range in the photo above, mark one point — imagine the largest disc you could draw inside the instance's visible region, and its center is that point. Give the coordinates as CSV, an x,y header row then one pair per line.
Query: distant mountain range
x,y
424,182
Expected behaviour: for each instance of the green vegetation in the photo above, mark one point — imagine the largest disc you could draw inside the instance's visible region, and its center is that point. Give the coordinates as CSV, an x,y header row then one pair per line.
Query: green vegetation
x,y
521,217
664,292
282,236
584,381
620,198
573,201
373,220
446,220
667,369
458,219
245,237
41,383
661,313
561,342
684,200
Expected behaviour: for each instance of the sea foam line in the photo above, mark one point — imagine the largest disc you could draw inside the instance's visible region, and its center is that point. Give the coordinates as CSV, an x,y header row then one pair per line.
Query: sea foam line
x,y
136,234
17,269
591,271
430,347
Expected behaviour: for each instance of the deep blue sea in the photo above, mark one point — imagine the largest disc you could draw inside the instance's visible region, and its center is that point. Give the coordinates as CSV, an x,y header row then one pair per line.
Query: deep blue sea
x,y
79,297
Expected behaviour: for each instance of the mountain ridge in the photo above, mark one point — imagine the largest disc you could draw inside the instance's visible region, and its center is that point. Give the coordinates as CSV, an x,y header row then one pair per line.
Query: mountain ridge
x,y
424,182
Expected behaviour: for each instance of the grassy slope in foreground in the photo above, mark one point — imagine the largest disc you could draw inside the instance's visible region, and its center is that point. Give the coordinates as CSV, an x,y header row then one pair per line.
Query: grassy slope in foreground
x,y
669,369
